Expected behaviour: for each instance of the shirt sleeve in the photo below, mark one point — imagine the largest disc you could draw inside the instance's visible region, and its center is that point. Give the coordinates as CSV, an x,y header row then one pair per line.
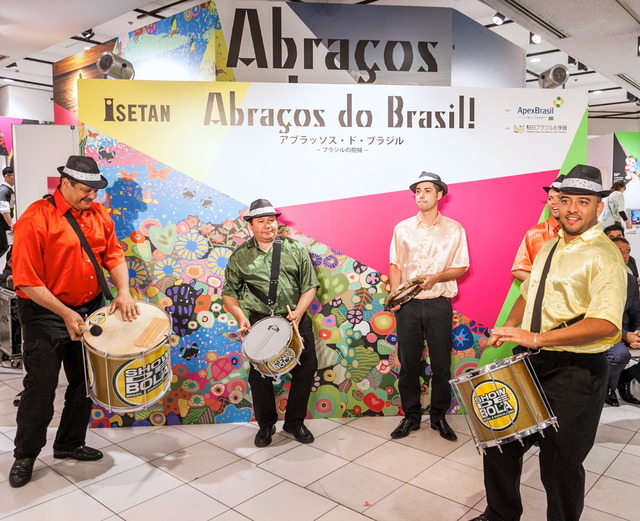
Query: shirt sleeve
x,y
308,279
607,287
523,260
394,257
233,283
27,256
460,258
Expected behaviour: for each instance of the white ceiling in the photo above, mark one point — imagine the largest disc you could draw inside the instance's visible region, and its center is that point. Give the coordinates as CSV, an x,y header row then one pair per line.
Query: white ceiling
x,y
601,34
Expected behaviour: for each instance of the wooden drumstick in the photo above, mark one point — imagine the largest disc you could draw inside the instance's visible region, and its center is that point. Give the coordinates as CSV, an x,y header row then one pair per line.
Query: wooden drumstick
x,y
293,322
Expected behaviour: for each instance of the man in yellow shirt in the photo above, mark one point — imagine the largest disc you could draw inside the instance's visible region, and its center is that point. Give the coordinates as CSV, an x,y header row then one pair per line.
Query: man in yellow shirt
x,y
572,320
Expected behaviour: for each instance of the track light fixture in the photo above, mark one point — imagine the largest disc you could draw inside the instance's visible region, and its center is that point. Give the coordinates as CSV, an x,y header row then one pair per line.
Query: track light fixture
x,y
638,46
499,18
554,77
88,34
115,67
534,39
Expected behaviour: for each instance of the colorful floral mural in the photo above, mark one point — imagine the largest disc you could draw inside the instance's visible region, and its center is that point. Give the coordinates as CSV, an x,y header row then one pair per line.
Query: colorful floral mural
x,y
177,235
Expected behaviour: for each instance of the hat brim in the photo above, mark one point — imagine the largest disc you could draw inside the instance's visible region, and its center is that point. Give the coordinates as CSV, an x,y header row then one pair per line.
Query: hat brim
x,y
103,183
583,191
439,184
250,218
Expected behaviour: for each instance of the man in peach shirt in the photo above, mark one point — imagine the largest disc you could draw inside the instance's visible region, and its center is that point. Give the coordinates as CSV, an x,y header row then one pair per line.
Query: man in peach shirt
x,y
434,248
538,234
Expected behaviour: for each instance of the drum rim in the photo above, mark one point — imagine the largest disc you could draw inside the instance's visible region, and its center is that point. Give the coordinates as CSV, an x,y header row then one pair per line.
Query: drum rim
x,y
549,422
266,360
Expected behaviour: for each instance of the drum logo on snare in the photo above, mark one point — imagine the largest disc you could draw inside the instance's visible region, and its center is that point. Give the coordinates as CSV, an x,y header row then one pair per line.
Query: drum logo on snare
x,y
134,380
495,404
283,362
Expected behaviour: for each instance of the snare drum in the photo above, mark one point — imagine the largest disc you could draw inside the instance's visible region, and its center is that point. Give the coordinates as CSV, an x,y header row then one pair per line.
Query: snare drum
x,y
503,402
273,346
128,363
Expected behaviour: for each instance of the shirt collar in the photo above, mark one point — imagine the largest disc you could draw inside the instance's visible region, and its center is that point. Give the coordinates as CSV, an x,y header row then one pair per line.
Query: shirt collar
x,y
419,220
7,184
587,236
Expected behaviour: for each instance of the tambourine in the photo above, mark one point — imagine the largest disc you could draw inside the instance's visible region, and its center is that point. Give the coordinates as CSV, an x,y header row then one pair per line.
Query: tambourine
x,y
403,293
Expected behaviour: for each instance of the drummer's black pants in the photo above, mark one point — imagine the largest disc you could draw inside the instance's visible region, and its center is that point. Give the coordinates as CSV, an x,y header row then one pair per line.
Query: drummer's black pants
x,y
42,358
302,375
575,385
417,321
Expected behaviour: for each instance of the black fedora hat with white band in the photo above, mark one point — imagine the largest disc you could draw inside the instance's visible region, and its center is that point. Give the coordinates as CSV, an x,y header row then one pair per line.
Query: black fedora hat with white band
x,y
556,184
84,170
584,180
428,177
260,208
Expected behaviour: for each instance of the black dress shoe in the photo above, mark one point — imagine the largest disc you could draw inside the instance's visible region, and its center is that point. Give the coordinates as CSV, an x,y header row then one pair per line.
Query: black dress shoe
x,y
21,471
481,517
263,438
445,431
612,399
404,429
625,393
81,453
300,433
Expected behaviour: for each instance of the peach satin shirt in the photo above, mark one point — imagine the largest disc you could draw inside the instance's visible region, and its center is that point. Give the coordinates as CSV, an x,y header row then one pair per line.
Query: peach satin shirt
x,y
417,249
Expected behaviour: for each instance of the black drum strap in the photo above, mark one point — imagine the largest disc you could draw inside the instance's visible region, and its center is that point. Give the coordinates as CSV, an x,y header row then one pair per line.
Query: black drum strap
x,y
270,301
536,316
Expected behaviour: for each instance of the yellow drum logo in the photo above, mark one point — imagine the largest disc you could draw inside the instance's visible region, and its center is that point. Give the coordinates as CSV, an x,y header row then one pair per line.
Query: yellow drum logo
x,y
495,404
142,380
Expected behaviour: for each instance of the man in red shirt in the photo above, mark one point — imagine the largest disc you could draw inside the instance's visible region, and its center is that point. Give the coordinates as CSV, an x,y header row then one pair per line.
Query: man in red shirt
x,y
58,288
538,234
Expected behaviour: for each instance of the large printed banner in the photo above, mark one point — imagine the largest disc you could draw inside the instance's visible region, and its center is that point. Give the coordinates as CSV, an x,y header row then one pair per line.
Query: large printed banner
x,y
302,144
184,160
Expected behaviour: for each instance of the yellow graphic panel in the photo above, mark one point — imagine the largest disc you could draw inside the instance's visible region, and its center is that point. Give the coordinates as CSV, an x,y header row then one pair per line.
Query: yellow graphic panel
x,y
169,121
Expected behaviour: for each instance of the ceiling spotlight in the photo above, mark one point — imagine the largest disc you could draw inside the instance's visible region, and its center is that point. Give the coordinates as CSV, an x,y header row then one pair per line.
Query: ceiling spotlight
x,y
571,60
632,97
638,46
13,65
582,67
88,34
554,77
499,18
535,60
115,67
534,39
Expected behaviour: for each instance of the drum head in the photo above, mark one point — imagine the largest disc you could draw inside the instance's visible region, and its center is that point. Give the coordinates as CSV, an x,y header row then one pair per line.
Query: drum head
x,y
119,337
267,338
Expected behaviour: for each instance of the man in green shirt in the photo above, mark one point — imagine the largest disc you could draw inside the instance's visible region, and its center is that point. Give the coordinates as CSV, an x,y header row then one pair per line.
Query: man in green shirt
x,y
248,270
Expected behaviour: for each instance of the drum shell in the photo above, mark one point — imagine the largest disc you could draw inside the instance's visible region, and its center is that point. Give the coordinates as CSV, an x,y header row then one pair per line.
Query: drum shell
x,y
284,361
283,358
503,402
128,382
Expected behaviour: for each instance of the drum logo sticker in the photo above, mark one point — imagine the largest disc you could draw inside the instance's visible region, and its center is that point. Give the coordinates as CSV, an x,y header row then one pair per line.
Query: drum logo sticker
x,y
98,318
283,362
142,381
495,404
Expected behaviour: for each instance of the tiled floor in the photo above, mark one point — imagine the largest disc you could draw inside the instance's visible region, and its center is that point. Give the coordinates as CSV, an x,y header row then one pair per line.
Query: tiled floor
x,y
353,472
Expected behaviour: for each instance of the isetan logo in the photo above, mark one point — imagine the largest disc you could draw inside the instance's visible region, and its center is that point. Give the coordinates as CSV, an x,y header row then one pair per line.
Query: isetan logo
x,y
136,113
